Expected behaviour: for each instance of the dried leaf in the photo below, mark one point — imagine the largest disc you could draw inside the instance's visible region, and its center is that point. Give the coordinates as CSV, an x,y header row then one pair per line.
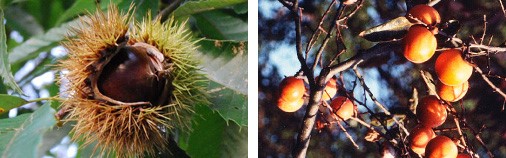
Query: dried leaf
x,y
372,136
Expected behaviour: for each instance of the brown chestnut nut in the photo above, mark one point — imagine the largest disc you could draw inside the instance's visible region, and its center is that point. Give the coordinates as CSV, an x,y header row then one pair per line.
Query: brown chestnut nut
x,y
133,75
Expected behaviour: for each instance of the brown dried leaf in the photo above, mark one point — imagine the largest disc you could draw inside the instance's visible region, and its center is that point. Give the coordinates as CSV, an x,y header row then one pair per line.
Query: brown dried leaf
x,y
372,136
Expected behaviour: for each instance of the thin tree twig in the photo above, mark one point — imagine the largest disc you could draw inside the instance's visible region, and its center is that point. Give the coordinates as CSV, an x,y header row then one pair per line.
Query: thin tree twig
x,y
326,40
317,33
485,78
380,105
432,3
483,49
502,7
484,29
346,133
478,138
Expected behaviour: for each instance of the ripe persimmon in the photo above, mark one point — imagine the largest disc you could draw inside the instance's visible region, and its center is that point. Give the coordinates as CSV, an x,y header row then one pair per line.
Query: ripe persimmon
x,y
452,93
425,14
290,106
452,69
419,137
430,112
419,44
462,155
343,107
291,92
292,89
330,89
441,147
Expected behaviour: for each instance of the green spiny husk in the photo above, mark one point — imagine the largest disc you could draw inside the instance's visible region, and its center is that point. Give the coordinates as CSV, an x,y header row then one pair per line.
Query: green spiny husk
x,y
126,130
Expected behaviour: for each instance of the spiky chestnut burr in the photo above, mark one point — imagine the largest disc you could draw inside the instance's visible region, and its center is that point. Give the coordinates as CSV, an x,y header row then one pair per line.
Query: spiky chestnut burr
x,y
127,87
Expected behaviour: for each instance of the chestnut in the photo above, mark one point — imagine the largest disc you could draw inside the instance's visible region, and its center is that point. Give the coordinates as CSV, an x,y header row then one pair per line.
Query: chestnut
x,y
134,74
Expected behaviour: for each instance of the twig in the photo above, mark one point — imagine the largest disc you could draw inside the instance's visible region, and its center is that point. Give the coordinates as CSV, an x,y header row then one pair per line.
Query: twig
x,y
316,33
346,133
381,106
478,138
484,29
432,3
326,40
345,18
483,48
485,78
502,7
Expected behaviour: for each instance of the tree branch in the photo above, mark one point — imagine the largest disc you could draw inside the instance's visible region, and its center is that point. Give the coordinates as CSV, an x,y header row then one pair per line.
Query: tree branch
x,y
485,78
381,106
315,95
380,49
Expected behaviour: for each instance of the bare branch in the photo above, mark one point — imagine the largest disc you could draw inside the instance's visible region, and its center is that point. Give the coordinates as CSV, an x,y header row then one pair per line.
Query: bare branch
x,y
485,78
346,133
381,106
484,29
380,49
502,7
432,3
315,34
326,40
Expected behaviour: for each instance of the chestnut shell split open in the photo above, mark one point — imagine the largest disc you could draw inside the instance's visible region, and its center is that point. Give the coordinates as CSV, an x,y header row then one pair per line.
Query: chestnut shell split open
x,y
131,75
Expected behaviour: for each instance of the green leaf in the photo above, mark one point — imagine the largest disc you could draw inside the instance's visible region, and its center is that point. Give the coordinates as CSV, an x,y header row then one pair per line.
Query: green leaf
x,y
54,137
226,65
5,67
44,42
223,25
193,7
141,7
230,104
226,62
393,29
105,4
22,136
235,141
241,8
79,7
8,102
213,137
21,21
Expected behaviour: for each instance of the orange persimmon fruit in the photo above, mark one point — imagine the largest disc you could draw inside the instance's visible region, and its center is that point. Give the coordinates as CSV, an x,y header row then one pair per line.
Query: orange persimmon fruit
x,y
419,137
430,112
419,44
441,147
343,107
452,93
452,69
330,89
292,90
425,14
290,106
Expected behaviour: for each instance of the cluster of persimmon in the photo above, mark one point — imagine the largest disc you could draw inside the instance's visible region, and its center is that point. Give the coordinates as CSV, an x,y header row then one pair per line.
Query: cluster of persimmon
x,y
453,72
420,45
431,113
291,97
